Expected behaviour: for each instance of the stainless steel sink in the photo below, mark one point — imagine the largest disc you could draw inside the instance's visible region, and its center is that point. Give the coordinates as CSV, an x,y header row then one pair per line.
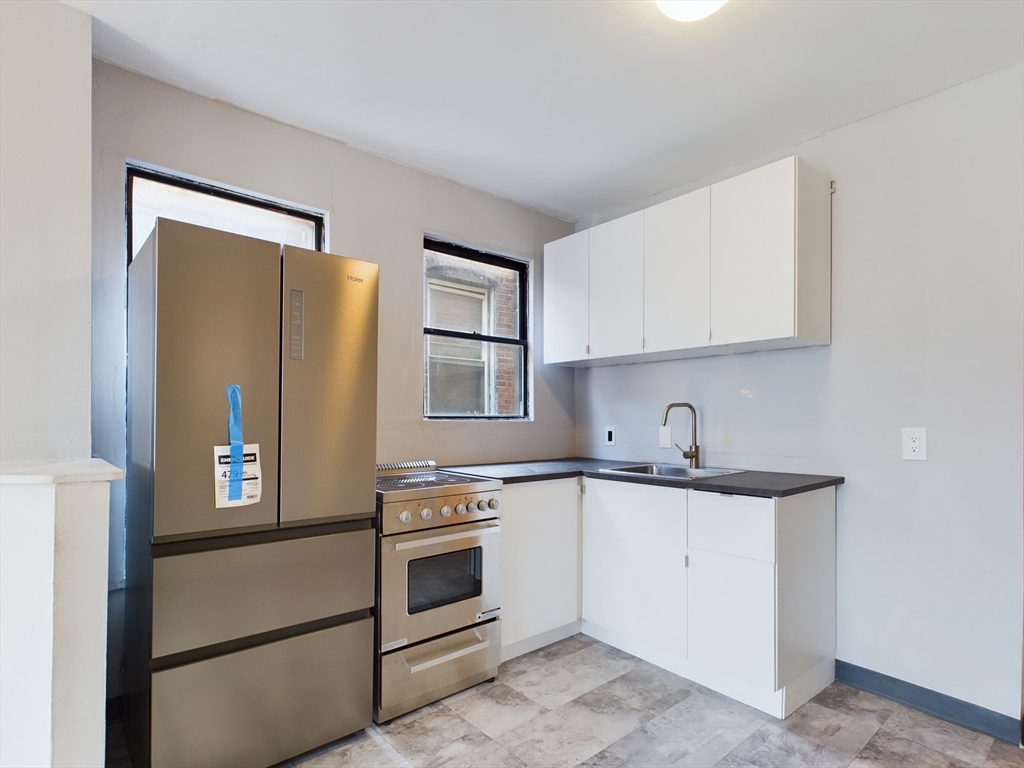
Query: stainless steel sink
x,y
670,471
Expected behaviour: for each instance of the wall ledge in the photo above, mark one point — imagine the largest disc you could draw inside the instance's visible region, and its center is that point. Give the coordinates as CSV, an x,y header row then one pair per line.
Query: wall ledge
x,y
58,472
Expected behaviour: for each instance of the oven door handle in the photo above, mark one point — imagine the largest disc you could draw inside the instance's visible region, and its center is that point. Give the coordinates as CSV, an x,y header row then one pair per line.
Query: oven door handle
x,y
429,542
414,668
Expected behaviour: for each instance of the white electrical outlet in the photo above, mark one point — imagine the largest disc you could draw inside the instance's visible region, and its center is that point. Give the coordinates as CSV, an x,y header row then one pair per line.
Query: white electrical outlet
x,y
664,437
609,435
915,444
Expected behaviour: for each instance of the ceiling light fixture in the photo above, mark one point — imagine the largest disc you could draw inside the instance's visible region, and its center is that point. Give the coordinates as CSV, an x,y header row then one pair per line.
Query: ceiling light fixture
x,y
689,10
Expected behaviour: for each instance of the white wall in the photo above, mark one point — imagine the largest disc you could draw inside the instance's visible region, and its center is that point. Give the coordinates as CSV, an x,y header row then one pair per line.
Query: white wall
x,y
379,211
45,222
927,332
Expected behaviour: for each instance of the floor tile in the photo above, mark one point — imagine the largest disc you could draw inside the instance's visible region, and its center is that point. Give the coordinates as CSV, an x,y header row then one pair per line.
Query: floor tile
x,y
1004,755
699,731
770,746
648,687
568,677
433,739
490,755
859,704
496,708
886,750
517,666
603,715
952,740
365,749
839,731
549,741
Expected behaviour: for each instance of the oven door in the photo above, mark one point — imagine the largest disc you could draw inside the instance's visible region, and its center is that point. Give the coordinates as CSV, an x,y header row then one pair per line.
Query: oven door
x,y
438,581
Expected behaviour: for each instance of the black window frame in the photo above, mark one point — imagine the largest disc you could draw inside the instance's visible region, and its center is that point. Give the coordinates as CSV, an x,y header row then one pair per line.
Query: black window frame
x,y
133,172
494,260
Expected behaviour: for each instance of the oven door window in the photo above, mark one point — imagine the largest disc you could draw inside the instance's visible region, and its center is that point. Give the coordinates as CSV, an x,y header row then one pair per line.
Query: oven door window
x,y
444,579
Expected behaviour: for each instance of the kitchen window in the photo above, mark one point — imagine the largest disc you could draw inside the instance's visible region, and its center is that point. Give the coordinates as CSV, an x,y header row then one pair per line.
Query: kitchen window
x,y
474,334
152,194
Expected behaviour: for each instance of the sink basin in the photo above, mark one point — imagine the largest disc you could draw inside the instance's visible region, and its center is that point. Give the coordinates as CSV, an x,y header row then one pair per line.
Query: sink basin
x,y
670,471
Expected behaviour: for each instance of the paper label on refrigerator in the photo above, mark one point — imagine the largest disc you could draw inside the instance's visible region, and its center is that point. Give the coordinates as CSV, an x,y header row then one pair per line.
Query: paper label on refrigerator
x,y
239,479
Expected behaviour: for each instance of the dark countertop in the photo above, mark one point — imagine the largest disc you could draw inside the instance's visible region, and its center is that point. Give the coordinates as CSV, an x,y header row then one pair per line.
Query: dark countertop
x,y
746,483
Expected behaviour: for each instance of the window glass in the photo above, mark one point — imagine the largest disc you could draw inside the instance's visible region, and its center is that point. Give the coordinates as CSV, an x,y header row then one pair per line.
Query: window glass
x,y
444,579
474,334
151,199
467,295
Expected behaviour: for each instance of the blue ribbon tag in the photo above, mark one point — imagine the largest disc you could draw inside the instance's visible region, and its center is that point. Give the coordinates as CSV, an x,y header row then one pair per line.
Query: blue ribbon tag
x,y
237,444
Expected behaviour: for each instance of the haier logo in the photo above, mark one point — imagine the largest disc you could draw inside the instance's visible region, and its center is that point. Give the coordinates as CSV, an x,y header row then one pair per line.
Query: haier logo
x,y
354,279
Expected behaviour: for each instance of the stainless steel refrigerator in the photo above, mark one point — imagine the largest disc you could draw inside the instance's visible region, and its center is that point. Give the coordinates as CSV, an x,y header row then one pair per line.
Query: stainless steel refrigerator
x,y
252,386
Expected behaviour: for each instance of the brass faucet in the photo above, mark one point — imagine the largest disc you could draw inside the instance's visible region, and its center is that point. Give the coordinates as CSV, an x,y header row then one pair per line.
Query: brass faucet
x,y
694,453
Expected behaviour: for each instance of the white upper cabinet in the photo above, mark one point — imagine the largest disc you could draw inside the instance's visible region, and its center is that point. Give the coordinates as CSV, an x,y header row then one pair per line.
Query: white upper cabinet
x,y
677,252
566,298
617,287
770,272
739,266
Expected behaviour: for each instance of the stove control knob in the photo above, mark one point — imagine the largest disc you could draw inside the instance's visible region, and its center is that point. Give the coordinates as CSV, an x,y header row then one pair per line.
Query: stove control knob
x,y
446,511
482,505
405,516
460,509
493,503
426,513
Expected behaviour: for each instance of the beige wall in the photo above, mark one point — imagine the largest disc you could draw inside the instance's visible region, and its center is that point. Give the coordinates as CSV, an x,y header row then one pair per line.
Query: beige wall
x,y
45,223
927,331
378,211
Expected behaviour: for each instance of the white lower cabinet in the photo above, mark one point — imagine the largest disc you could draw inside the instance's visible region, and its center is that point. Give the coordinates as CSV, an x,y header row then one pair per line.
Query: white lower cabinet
x,y
634,573
540,541
732,616
752,615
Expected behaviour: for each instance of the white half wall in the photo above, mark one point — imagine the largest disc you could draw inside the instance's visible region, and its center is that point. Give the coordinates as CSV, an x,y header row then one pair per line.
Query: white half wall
x,y
53,601
45,224
927,331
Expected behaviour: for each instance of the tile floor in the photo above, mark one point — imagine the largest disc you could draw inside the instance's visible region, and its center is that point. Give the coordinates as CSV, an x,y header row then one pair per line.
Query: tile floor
x,y
581,702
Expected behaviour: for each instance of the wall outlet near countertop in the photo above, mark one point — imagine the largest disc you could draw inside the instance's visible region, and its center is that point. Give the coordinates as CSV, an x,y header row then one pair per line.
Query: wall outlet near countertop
x,y
915,444
609,435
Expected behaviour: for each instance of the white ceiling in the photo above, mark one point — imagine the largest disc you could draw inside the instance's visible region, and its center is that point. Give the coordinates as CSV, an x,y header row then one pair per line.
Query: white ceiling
x,y
569,107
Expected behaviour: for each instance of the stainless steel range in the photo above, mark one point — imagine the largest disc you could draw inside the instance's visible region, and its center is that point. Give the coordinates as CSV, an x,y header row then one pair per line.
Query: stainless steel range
x,y
439,585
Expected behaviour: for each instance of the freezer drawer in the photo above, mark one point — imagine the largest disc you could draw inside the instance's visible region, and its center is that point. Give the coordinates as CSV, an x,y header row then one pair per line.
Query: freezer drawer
x,y
265,704
413,677
204,598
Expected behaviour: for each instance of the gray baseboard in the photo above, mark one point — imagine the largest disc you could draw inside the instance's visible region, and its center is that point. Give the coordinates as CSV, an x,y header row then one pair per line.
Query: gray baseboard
x,y
946,707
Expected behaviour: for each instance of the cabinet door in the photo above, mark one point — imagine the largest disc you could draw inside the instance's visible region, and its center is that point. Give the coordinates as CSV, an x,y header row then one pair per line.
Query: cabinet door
x,y
539,558
634,574
731,604
566,298
677,284
617,287
753,219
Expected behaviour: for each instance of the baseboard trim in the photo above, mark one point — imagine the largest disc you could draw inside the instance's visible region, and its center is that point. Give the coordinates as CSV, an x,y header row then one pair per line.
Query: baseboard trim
x,y
544,639
956,711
